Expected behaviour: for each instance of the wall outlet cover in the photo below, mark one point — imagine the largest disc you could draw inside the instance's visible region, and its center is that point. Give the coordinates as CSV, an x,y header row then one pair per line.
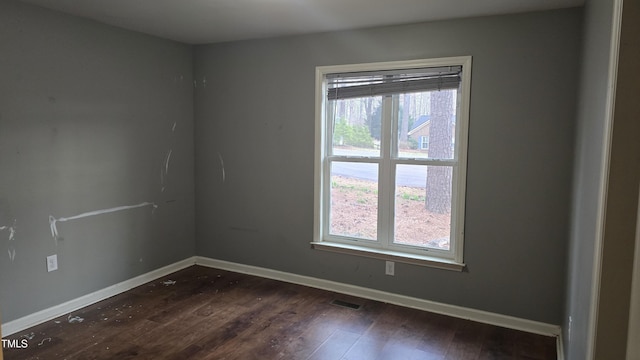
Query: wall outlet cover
x,y
52,263
390,268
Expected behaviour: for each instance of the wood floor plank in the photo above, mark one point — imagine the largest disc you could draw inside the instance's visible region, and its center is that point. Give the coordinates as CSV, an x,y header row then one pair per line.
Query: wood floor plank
x,y
336,346
467,341
371,344
204,313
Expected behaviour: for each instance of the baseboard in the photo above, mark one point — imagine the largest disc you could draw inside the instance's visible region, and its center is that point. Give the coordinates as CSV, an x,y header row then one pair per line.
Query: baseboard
x,y
39,317
407,301
511,322
560,346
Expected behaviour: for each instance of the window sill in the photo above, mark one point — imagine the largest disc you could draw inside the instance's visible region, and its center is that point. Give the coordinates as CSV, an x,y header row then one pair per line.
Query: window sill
x,y
414,259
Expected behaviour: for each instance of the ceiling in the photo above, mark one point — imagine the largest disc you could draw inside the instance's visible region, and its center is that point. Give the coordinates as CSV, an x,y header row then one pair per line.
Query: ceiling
x,y
210,21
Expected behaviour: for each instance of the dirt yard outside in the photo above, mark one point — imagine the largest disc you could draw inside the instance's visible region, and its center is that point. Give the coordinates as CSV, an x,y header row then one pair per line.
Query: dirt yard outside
x,y
354,213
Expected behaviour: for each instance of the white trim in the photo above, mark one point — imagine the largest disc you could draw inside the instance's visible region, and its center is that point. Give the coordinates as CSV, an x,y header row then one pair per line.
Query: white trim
x,y
402,300
388,160
616,29
510,322
319,155
390,255
560,347
53,312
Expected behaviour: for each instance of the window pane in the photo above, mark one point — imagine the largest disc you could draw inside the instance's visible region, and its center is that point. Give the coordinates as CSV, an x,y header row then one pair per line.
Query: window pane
x,y
423,206
354,200
426,124
356,126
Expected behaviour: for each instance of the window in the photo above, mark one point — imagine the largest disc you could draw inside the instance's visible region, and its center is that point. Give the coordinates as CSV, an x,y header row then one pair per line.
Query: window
x,y
424,142
378,193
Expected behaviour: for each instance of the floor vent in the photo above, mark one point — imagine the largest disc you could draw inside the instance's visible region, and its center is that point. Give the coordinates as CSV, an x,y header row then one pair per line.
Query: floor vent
x,y
346,304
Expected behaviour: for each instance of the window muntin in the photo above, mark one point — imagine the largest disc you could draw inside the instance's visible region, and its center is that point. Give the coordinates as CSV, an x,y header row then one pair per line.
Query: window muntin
x,y
372,182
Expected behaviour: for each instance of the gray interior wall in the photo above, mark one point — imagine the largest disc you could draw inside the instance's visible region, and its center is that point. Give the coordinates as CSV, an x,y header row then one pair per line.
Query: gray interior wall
x,y
255,151
590,147
86,122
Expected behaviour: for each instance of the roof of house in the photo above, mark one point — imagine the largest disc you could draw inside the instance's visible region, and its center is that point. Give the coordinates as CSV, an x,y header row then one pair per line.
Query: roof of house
x,y
421,122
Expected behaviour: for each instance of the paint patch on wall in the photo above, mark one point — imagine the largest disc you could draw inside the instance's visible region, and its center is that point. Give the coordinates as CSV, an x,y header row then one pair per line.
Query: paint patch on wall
x,y
11,230
53,220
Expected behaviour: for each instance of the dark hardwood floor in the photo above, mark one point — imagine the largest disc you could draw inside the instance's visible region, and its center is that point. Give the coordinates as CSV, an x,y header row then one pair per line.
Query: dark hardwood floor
x,y
215,314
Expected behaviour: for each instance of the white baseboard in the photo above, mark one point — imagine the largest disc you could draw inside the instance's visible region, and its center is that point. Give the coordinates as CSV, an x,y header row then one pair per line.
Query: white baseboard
x,y
407,301
560,345
39,317
511,322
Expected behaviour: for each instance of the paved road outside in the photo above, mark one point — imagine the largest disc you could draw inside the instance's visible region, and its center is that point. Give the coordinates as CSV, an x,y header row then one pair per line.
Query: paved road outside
x,y
407,175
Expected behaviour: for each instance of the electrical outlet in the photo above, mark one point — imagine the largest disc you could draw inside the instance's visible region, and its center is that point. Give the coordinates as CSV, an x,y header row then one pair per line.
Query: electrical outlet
x,y
390,268
52,263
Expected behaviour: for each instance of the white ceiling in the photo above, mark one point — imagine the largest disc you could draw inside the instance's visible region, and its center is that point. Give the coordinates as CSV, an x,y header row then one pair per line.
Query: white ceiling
x,y
209,21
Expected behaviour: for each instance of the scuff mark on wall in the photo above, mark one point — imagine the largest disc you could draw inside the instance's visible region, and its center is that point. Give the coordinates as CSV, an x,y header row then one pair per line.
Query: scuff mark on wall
x,y
166,162
162,179
12,253
53,220
164,167
222,165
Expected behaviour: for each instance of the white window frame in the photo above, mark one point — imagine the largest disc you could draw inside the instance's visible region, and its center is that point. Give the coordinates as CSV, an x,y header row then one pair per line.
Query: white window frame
x,y
451,259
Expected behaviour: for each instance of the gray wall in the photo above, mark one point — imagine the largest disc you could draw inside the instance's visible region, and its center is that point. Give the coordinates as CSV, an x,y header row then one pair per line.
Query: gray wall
x,y
257,113
590,146
86,118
